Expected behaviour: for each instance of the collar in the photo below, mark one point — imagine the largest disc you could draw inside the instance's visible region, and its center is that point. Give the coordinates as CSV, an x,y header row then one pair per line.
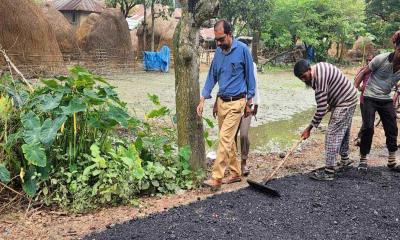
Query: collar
x,y
313,76
234,45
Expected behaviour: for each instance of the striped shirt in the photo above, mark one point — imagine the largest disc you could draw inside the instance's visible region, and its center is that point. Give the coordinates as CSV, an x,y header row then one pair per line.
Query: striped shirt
x,y
331,88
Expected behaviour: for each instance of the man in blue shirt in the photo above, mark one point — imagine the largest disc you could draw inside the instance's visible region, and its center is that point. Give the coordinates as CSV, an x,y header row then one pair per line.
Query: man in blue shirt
x,y
232,69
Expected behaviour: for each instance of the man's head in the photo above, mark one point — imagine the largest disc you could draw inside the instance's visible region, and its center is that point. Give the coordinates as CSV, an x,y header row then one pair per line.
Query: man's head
x,y
396,38
223,34
396,56
302,70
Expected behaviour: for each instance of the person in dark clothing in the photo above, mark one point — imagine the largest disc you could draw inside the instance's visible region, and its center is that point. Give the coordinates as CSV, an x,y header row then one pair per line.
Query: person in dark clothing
x,y
385,73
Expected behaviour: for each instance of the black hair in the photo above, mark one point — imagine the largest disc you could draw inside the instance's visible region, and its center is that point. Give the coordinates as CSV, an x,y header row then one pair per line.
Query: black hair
x,y
227,26
397,42
301,67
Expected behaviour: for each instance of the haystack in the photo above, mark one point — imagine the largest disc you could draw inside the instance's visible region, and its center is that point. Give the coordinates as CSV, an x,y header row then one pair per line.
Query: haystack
x,y
63,29
28,38
362,47
106,35
164,29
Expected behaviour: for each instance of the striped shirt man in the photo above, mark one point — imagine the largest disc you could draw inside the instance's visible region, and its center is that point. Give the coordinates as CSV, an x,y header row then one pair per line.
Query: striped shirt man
x,y
331,88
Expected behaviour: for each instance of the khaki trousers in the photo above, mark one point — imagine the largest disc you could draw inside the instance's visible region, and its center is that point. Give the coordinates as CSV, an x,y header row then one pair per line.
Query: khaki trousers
x,y
229,114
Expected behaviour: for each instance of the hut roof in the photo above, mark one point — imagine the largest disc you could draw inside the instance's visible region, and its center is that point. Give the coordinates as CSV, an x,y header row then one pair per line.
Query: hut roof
x,y
78,5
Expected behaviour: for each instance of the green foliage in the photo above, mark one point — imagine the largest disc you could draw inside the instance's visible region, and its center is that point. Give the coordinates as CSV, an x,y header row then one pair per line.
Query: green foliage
x,y
314,22
383,19
65,142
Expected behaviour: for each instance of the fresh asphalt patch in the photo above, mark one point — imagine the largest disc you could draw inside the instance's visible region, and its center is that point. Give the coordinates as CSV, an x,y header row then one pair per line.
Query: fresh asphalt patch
x,y
353,206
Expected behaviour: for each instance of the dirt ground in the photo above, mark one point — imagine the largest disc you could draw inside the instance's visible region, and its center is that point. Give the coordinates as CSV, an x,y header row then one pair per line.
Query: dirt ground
x,y
42,223
46,224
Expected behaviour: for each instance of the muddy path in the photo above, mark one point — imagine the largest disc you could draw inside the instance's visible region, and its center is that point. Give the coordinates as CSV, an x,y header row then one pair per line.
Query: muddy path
x,y
354,206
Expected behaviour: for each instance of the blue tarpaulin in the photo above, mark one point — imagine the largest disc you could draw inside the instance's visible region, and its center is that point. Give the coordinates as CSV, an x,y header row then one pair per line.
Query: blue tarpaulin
x,y
157,61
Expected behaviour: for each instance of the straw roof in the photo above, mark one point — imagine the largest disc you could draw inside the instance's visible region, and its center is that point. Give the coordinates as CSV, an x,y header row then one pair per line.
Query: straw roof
x,y
78,5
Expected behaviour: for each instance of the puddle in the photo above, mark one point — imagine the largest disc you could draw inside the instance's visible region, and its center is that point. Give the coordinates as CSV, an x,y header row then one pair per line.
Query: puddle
x,y
277,135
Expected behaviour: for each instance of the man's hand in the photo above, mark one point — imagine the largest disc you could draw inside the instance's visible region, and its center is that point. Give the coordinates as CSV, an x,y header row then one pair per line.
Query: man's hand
x,y
215,108
306,133
247,110
200,107
255,110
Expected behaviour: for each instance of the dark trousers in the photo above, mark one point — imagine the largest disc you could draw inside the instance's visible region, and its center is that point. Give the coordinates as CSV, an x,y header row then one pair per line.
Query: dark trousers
x,y
362,129
387,114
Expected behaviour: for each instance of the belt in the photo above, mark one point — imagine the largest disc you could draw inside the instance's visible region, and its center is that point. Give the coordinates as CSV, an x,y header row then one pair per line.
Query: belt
x,y
234,98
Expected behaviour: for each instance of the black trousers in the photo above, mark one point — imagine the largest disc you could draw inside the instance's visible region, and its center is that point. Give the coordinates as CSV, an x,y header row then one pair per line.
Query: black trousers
x,y
362,129
387,114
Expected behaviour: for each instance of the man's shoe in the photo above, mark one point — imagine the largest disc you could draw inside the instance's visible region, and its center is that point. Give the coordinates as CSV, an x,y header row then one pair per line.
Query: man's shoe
x,y
245,170
323,175
357,142
213,184
362,167
344,165
394,167
231,179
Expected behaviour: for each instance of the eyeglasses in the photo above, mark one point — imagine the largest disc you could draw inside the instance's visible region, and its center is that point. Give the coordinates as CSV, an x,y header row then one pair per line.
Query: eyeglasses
x,y
221,39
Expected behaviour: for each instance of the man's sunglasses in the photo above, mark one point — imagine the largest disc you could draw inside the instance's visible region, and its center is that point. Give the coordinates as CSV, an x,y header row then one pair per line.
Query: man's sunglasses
x,y
221,39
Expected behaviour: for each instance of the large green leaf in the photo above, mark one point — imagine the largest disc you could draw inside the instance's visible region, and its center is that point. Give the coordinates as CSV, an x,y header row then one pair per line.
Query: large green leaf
x,y
50,128
35,154
4,174
82,77
30,183
158,112
119,115
93,97
51,83
30,120
75,105
48,102
32,135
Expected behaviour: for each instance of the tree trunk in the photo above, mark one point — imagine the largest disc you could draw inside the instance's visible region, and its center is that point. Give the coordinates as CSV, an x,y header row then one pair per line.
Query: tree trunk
x,y
187,89
152,25
144,25
254,45
341,51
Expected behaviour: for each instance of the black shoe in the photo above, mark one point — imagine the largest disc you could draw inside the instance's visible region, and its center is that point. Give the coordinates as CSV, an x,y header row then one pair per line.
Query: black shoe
x,y
362,167
394,167
344,165
357,142
323,175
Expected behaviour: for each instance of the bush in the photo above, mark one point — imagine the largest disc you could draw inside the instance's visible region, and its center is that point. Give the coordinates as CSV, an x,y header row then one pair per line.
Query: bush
x,y
73,143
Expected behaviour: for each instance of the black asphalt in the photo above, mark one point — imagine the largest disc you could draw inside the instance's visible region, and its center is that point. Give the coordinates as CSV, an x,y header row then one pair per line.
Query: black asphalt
x,y
353,206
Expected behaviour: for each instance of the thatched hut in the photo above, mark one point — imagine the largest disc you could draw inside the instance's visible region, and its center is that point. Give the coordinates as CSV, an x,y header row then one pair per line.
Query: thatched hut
x,y
106,35
28,38
76,11
164,28
64,32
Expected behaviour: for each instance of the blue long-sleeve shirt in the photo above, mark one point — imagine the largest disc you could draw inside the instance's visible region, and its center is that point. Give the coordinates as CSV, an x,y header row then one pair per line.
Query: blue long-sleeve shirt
x,y
233,71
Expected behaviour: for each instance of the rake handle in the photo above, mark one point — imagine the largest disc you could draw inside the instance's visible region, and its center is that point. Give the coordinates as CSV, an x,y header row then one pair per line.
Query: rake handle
x,y
283,161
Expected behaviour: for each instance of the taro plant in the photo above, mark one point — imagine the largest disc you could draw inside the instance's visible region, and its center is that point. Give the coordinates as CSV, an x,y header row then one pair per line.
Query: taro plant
x,y
64,142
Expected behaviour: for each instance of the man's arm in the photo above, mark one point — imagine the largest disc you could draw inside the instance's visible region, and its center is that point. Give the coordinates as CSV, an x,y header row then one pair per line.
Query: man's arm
x,y
207,89
322,106
360,76
249,74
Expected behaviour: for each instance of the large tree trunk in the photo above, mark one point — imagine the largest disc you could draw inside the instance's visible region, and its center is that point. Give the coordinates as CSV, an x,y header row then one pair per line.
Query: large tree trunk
x,y
152,25
254,46
187,62
144,25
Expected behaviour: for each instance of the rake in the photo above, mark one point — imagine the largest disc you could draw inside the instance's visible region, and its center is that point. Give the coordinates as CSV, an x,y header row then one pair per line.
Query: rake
x,y
263,185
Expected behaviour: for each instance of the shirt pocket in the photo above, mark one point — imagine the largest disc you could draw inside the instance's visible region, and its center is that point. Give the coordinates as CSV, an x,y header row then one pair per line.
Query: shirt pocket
x,y
236,68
